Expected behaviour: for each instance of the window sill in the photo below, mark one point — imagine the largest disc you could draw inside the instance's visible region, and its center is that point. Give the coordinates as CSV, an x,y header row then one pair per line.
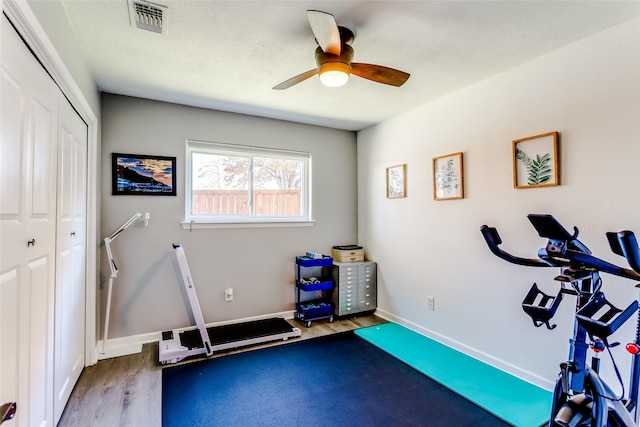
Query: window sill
x,y
264,224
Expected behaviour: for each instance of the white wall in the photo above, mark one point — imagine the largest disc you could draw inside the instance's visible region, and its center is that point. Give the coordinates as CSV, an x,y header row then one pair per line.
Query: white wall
x,y
257,262
590,93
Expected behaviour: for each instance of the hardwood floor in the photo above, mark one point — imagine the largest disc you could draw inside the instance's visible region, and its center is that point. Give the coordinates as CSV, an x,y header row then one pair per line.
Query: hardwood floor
x,y
127,391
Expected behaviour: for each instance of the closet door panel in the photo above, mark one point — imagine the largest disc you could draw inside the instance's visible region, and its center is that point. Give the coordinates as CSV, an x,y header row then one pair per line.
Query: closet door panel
x,y
28,223
41,162
39,318
40,212
9,318
12,228
71,250
11,146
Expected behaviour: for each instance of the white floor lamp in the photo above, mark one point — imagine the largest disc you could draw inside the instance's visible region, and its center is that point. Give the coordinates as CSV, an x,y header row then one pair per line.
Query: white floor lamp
x,y
114,274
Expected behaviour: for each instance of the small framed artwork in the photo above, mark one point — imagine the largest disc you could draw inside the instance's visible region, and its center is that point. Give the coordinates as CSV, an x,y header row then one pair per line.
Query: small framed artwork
x,y
448,177
138,174
535,161
396,181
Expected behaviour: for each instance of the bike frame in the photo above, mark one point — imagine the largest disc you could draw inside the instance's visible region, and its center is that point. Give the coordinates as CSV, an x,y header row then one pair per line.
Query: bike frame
x,y
580,268
577,376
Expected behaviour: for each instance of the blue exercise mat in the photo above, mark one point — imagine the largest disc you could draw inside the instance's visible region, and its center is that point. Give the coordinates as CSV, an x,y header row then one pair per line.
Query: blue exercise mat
x,y
515,401
336,380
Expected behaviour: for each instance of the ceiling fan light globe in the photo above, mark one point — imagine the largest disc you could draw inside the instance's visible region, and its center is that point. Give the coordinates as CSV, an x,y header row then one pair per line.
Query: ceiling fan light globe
x,y
334,74
334,78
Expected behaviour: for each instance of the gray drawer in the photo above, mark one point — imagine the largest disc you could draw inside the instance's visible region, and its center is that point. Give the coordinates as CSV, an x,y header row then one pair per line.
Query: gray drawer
x,y
355,287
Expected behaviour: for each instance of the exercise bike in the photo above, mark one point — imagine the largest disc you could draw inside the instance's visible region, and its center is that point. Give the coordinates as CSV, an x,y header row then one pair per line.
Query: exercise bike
x,y
581,397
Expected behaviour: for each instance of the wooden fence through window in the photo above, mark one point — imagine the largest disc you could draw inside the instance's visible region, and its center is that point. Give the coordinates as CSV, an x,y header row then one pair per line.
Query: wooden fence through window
x,y
234,202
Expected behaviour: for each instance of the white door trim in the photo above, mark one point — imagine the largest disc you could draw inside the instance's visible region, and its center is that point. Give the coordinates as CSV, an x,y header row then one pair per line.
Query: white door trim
x,y
30,29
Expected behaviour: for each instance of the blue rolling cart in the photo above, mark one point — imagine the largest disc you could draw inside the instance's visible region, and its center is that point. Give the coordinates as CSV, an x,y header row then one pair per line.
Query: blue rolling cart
x,y
313,289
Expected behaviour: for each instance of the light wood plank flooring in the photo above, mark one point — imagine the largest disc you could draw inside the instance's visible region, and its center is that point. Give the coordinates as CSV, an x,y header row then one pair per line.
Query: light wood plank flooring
x,y
127,391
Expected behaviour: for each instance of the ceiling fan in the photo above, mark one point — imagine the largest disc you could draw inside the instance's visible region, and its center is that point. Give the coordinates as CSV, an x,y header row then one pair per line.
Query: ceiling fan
x,y
334,56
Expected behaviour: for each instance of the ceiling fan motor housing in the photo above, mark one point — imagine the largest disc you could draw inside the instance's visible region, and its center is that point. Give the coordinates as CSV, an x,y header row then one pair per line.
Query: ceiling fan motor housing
x,y
340,62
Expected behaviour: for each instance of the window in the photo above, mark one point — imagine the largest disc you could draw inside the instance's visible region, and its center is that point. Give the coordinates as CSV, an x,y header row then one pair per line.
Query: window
x,y
240,184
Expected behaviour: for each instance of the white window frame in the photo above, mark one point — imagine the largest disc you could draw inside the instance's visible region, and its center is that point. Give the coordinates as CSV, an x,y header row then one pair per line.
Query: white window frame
x,y
241,221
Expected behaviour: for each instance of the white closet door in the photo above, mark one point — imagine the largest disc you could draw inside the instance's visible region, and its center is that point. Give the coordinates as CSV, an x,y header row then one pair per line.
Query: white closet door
x,y
11,226
28,130
71,249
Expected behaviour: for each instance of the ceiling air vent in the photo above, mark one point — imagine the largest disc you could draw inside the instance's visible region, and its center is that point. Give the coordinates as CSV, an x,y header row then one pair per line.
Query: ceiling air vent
x,y
148,16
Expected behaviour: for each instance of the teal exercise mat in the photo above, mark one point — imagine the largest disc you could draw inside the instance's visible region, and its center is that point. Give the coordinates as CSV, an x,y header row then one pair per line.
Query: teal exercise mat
x,y
515,401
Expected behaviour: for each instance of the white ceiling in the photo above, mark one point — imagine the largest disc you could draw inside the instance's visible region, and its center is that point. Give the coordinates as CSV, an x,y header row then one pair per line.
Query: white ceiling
x,y
227,55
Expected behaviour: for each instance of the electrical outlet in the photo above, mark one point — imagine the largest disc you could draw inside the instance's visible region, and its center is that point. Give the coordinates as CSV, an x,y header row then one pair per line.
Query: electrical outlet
x,y
431,301
228,294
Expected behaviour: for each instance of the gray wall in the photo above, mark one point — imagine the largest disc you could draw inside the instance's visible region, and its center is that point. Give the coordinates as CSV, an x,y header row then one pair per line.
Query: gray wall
x,y
257,262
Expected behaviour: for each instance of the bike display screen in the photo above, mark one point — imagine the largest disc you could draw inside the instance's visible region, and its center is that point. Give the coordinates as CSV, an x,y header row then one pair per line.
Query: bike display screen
x,y
547,226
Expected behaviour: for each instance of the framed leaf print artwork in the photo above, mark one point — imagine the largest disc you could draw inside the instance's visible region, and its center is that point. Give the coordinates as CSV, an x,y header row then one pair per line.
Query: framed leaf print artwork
x,y
448,177
396,182
535,161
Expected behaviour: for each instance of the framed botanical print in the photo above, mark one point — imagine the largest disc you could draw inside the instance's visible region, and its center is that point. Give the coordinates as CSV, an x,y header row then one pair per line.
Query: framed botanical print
x,y
396,182
535,161
448,177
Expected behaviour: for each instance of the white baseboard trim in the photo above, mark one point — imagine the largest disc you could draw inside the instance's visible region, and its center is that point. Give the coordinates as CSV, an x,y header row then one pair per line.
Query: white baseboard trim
x,y
125,346
514,370
119,350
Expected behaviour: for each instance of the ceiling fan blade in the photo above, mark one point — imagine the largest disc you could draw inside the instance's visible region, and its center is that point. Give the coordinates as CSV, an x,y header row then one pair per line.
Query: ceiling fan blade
x,y
295,80
325,30
380,74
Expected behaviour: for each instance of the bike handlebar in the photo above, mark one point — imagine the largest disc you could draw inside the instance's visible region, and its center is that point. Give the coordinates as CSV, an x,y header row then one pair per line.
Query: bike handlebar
x,y
630,249
493,240
569,251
